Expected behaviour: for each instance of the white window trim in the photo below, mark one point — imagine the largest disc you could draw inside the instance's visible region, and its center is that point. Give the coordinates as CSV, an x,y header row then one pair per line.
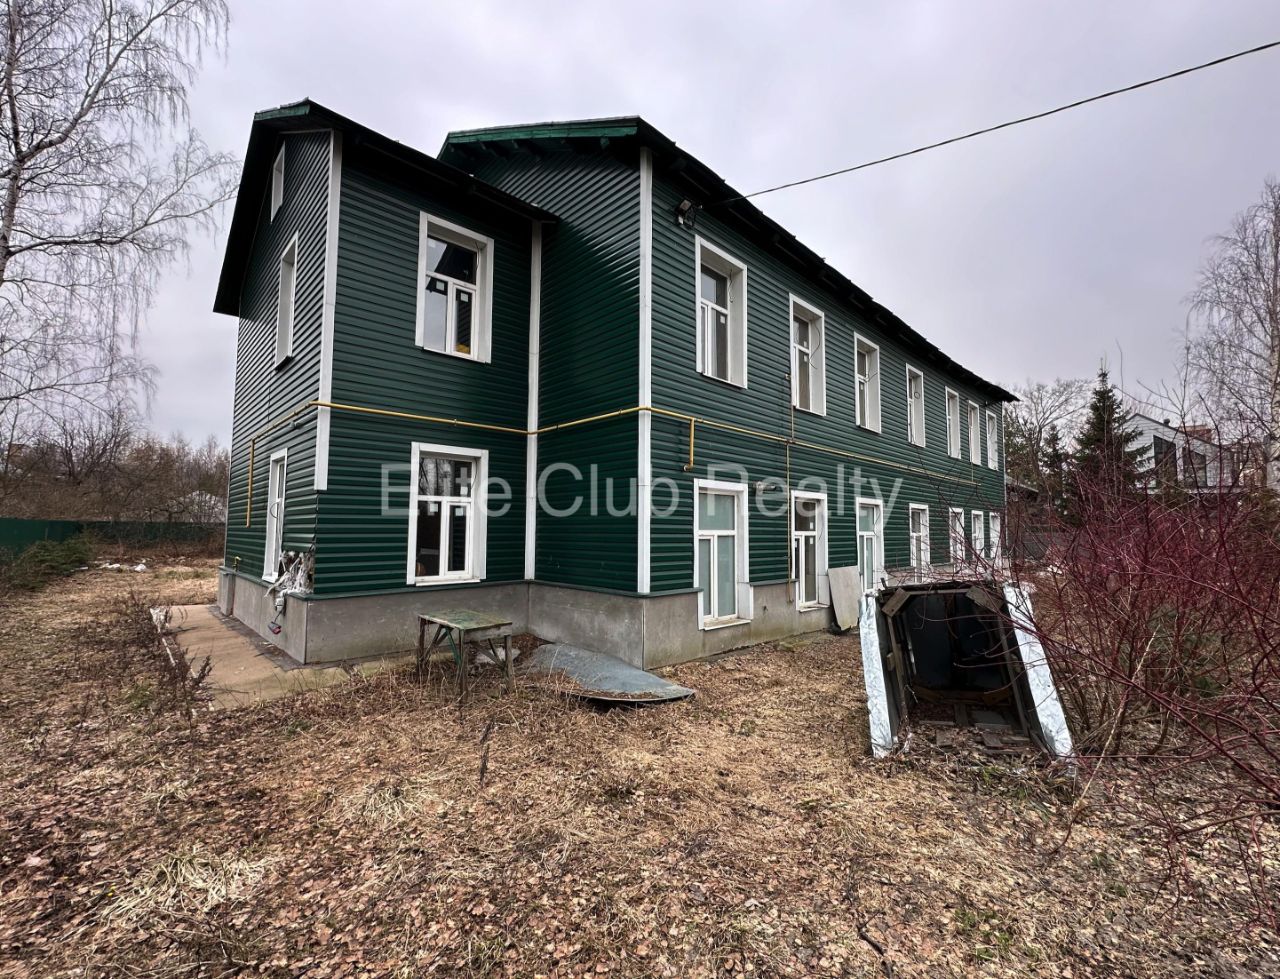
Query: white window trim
x,y
273,539
277,183
995,529
975,433
284,331
878,571
953,397
821,536
479,514
741,552
912,420
926,546
736,270
482,328
993,454
978,535
957,543
873,383
817,356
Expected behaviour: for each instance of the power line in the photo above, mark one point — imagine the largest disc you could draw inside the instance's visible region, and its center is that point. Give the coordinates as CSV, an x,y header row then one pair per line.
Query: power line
x,y
1012,122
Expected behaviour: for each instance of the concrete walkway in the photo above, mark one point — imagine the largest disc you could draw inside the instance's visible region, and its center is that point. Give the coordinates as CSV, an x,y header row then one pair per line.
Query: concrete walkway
x,y
246,669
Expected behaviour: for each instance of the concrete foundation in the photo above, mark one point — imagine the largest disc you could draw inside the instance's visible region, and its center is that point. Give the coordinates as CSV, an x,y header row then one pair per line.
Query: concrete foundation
x,y
647,632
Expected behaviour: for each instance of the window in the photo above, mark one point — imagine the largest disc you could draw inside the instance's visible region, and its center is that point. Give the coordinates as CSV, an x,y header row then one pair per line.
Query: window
x,y
720,553
870,542
1195,466
953,424
285,302
809,548
915,406
955,534
455,275
808,358
275,515
1165,456
977,540
997,546
722,315
277,183
918,515
446,514
975,435
867,374
992,441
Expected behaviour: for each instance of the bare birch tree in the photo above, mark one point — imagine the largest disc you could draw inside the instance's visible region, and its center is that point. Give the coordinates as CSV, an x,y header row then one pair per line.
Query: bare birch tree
x,y
101,181
1233,352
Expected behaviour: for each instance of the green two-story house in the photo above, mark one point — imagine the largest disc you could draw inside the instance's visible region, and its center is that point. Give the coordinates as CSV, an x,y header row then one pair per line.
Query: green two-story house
x,y
564,372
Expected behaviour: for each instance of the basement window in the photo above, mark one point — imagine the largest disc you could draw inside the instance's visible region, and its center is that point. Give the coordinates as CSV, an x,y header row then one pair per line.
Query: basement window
x,y
447,514
975,435
275,515
867,383
809,549
918,517
953,424
993,458
455,275
915,406
288,290
808,358
722,315
277,183
720,559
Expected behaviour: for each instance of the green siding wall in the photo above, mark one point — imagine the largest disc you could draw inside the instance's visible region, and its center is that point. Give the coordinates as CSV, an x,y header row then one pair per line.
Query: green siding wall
x,y
589,349
765,405
262,391
376,363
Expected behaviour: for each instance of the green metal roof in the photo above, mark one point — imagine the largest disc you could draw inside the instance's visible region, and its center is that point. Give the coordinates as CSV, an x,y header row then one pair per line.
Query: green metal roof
x,y
708,189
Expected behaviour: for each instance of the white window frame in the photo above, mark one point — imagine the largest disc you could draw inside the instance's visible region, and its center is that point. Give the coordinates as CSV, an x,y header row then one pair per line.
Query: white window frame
x,y
741,550
993,441
953,423
975,433
277,183
872,382
822,576
277,485
957,535
286,301
915,410
922,539
705,253
477,529
817,356
995,528
978,535
877,539
482,291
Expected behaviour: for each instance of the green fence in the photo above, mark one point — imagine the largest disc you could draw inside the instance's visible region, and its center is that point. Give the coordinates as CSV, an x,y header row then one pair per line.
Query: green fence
x,y
16,534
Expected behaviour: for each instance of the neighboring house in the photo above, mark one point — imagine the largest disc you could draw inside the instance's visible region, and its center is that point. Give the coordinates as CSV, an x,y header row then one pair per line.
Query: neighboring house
x,y
562,373
1187,456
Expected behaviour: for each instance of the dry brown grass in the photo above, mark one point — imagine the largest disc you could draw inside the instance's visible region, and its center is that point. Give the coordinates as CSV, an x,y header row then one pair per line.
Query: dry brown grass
x,y
346,832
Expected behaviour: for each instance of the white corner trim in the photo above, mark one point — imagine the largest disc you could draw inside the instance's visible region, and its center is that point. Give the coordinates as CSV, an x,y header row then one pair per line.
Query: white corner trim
x,y
644,481
328,310
531,440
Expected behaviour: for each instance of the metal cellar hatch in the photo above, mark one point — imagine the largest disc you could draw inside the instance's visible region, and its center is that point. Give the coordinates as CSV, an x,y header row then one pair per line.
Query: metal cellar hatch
x,y
941,657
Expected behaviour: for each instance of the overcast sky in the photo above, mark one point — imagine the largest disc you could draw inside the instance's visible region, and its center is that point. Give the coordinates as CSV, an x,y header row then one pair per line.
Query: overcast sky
x,y
1031,253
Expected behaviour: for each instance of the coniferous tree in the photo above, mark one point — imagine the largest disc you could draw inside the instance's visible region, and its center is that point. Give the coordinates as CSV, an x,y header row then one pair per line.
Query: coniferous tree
x,y
1053,465
1105,458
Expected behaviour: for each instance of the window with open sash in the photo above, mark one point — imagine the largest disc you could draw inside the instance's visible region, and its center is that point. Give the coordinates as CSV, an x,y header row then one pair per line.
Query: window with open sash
x,y
956,535
867,383
808,358
870,542
275,515
975,435
722,311
993,441
915,406
997,545
445,515
455,272
286,301
808,548
277,183
953,424
720,555
918,516
978,537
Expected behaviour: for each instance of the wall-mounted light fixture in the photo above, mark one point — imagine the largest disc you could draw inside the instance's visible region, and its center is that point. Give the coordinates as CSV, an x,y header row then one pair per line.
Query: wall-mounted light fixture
x,y
686,212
